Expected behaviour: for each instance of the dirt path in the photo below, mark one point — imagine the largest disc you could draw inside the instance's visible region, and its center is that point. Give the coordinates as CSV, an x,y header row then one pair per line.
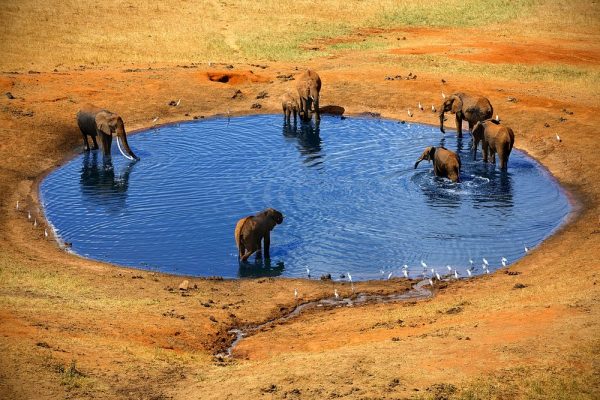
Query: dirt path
x,y
76,328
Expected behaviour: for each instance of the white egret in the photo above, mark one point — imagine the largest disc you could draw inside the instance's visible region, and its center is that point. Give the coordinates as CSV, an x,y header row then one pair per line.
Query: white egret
x,y
410,114
295,293
468,272
455,274
443,95
504,261
390,275
486,262
178,101
28,214
438,276
558,138
17,204
526,249
431,282
420,106
423,264
155,120
307,271
46,232
405,272
449,267
35,223
433,108
335,293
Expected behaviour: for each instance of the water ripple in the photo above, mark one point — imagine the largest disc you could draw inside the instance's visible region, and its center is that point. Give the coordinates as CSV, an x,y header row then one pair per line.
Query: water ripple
x,y
352,199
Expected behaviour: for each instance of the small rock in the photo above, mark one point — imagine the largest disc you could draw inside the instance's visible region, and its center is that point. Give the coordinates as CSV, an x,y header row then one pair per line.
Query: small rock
x,y
229,66
256,106
9,95
237,95
546,125
395,339
212,318
262,95
185,285
512,99
270,389
519,286
326,277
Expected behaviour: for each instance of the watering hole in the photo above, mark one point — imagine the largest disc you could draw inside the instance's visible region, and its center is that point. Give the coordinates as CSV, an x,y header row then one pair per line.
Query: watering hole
x,y
353,203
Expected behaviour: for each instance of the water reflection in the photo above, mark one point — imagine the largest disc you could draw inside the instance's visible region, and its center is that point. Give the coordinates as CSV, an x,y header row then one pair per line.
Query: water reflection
x,y
308,136
101,185
260,268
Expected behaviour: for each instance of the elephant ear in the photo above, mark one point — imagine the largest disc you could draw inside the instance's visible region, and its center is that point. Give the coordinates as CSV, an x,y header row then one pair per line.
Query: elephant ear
x,y
102,123
457,104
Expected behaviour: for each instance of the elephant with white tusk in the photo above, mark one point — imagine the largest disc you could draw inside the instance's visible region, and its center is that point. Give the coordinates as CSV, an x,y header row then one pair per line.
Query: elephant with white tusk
x,y
446,163
94,121
309,87
466,107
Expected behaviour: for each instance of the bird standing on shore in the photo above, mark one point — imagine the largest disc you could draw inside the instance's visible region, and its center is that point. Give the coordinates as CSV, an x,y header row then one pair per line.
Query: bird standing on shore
x,y
504,261
335,293
17,204
558,138
410,114
433,108
420,106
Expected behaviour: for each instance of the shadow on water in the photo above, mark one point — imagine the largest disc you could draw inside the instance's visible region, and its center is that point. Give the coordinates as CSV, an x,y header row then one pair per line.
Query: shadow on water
x,y
260,269
101,185
308,136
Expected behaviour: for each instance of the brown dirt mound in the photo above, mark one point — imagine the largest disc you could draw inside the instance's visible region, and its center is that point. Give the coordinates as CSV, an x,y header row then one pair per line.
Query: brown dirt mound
x,y
235,78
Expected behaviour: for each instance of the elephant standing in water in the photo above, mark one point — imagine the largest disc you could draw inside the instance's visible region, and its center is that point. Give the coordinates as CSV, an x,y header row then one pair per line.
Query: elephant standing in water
x,y
252,230
94,121
290,105
466,107
494,138
446,163
309,87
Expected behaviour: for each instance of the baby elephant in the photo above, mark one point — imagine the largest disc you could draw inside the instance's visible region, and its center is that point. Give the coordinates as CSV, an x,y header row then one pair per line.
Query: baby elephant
x,y
290,106
494,139
446,163
251,230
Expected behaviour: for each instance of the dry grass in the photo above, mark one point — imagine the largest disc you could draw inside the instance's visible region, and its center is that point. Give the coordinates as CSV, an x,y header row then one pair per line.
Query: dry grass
x,y
55,34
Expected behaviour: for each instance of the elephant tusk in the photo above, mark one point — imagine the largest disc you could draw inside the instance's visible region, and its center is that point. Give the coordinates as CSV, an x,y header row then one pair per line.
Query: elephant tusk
x,y
121,150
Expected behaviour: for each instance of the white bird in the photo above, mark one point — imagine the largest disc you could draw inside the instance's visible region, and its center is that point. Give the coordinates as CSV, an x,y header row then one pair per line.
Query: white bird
x,y
504,261
433,108
420,106
469,272
405,272
423,264
558,138
449,267
405,266
410,114
349,277
307,271
381,272
430,281
390,275
455,274
17,204
486,262
526,249
443,95
295,293
487,271
335,293
438,276
155,120
46,232
28,214
35,222
178,101
471,261
497,118
432,271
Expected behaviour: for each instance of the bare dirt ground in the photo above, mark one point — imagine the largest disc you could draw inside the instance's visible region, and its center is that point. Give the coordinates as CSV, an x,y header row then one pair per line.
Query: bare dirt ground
x,y
76,328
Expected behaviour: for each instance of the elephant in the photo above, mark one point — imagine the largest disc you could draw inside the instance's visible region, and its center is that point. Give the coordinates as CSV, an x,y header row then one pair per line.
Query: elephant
x,y
494,138
466,107
251,230
290,106
446,163
309,87
94,121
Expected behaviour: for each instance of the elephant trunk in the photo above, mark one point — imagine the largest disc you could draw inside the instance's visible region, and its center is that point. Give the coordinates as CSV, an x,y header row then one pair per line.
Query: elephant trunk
x,y
418,161
442,121
121,135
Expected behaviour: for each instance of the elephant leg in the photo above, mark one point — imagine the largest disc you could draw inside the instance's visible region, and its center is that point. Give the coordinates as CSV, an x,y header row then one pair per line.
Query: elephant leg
x,y
267,245
86,145
458,125
317,112
95,143
471,126
484,151
241,250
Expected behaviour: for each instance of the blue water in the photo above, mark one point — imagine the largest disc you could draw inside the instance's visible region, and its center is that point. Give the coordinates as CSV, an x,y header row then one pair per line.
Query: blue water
x,y
351,198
